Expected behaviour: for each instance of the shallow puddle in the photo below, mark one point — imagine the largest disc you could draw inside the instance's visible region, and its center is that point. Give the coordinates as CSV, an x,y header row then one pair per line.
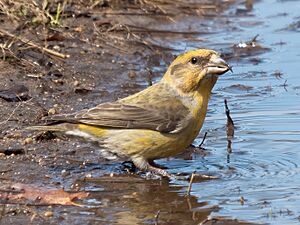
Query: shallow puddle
x,y
258,182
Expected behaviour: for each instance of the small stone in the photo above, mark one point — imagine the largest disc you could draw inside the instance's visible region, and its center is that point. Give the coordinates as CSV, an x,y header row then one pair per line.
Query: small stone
x,y
65,173
81,166
76,83
132,74
28,140
56,47
51,111
48,214
78,29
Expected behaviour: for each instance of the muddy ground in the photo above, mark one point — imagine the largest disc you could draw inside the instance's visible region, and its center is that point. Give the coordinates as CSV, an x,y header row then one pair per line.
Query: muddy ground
x,y
107,50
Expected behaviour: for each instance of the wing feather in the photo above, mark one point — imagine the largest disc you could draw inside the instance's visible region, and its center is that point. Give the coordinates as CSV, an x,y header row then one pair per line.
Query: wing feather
x,y
163,117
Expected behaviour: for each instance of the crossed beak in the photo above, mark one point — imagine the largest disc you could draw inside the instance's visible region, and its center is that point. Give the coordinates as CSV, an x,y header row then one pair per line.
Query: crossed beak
x,y
217,65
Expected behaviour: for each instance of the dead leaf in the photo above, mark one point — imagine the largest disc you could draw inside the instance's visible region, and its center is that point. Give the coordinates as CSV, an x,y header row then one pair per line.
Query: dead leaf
x,y
43,195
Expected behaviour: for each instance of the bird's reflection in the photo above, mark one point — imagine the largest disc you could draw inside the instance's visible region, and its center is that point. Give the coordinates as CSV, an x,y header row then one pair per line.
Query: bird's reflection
x,y
132,200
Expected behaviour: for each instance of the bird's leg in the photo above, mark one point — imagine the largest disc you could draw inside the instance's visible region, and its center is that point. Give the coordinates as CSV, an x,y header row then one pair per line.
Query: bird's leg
x,y
144,165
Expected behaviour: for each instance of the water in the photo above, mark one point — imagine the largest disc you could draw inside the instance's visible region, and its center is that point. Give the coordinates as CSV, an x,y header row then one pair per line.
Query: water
x,y
264,165
263,96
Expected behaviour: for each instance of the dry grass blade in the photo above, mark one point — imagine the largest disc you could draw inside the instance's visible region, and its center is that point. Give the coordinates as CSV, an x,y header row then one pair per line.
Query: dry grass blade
x,y
32,44
5,9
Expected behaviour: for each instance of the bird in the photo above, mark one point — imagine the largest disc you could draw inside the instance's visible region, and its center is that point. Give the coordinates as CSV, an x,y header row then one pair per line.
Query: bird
x,y
157,122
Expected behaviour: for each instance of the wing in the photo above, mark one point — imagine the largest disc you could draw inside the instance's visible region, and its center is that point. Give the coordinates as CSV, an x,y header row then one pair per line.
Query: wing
x,y
163,116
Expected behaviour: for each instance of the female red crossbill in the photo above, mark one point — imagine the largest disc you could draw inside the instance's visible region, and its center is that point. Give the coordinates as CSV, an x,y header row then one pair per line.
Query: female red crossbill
x,y
158,122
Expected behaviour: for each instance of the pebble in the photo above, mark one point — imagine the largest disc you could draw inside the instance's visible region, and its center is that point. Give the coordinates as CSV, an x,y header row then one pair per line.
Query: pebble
x,y
88,175
132,74
76,83
51,111
28,140
65,173
48,214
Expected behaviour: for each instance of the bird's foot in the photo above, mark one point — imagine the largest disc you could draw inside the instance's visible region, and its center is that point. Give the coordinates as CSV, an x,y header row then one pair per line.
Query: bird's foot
x,y
149,166
159,171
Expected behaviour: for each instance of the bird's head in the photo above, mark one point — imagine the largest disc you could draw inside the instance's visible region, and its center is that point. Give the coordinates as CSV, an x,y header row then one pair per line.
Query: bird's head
x,y
195,70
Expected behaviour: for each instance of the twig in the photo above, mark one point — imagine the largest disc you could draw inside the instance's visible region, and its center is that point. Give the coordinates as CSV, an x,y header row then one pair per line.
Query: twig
x,y
254,38
190,184
204,137
30,43
284,85
230,124
229,149
230,127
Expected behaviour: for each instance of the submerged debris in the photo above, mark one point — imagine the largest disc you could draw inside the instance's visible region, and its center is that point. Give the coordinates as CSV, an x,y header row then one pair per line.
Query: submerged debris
x,y
248,44
295,26
249,48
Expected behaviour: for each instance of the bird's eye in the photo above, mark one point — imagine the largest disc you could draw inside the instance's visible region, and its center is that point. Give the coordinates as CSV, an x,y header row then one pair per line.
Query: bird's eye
x,y
194,60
